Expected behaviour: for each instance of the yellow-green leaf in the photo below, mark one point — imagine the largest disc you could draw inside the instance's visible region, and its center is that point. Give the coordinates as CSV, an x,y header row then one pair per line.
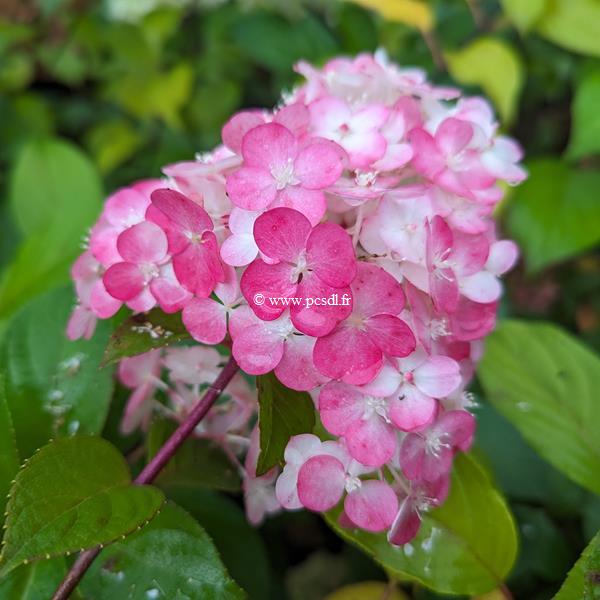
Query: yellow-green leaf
x,y
410,12
494,66
524,13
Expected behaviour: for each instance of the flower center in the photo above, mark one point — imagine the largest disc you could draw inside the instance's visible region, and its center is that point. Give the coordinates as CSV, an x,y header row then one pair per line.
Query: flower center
x,y
284,174
149,271
300,268
435,443
376,406
194,237
353,483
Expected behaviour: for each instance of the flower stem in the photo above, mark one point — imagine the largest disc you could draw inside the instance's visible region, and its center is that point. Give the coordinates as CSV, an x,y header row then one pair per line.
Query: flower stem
x,y
153,468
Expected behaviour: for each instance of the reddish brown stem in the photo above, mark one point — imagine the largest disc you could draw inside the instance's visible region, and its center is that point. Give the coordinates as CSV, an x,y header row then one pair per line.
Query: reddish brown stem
x,y
153,468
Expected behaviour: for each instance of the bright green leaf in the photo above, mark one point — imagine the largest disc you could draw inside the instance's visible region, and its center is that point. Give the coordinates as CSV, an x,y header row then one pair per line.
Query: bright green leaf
x,y
585,128
555,214
583,577
73,494
37,581
172,557
410,12
198,462
9,454
53,386
467,546
282,414
368,590
574,24
144,332
524,13
112,143
494,66
546,383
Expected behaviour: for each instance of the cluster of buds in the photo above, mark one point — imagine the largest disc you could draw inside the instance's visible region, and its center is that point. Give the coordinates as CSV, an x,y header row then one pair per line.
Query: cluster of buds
x,y
343,241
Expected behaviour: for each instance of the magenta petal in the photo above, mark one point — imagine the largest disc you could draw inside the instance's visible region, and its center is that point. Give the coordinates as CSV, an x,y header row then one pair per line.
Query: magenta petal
x,y
418,463
311,203
347,353
376,292
391,334
123,281
444,291
320,307
251,188
281,233
238,126
321,482
145,242
293,116
413,409
319,164
453,135
427,158
330,254
373,506
340,406
406,524
185,213
459,425
296,369
269,146
257,350
371,441
199,268
263,285
205,319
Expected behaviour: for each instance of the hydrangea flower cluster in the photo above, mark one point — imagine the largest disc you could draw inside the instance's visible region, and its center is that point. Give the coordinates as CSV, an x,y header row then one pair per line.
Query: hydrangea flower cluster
x,y
343,241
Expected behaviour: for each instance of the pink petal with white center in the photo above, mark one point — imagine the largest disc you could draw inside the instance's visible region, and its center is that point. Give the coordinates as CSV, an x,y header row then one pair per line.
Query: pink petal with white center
x,y
251,188
453,135
143,243
228,290
126,207
438,376
418,463
328,114
439,241
391,334
198,268
123,281
281,233
321,307
103,305
364,148
469,253
386,382
412,409
502,257
373,506
371,441
473,320
330,253
395,157
427,159
348,354
257,349
238,126
239,250
263,285
310,203
340,406
369,118
482,287
169,293
206,320
240,319
376,292
296,369
319,164
301,447
406,525
178,241
321,482
187,215
269,146
444,291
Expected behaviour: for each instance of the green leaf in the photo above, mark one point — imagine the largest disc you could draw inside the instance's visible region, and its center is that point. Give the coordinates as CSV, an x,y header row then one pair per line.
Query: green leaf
x,y
9,454
467,546
73,494
37,581
573,24
282,414
55,194
144,332
585,129
582,582
53,386
503,82
555,214
545,383
524,14
241,547
198,462
112,143
172,557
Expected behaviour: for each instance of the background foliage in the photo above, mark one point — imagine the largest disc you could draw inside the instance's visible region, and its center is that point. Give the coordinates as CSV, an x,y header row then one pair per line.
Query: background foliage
x,y
94,95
